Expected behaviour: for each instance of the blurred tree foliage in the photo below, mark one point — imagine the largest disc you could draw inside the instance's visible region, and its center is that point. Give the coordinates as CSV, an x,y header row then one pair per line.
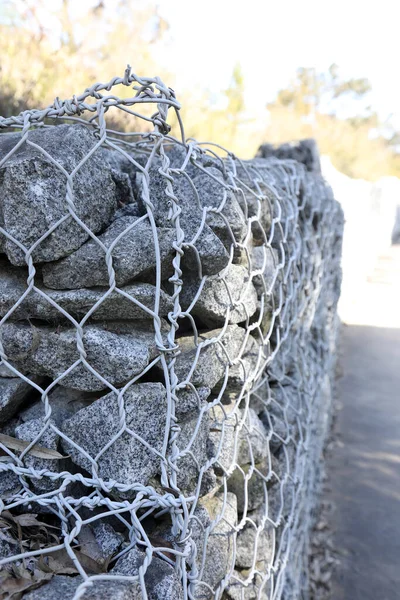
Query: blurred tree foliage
x,y
337,113
47,46
66,45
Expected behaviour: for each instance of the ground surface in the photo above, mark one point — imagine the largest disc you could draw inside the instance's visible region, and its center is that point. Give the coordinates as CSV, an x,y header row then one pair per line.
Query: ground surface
x,y
364,468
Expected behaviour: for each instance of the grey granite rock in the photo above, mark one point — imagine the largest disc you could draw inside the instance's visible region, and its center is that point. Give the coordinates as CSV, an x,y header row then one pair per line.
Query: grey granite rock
x,y
100,541
160,579
304,151
253,485
127,460
222,443
214,231
9,484
211,251
194,424
33,191
62,587
253,446
213,530
211,362
232,290
255,542
43,351
243,588
13,392
29,432
213,194
247,369
266,260
132,256
63,402
117,305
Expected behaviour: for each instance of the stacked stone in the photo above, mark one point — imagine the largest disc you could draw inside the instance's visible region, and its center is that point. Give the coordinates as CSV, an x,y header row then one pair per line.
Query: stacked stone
x,y
168,326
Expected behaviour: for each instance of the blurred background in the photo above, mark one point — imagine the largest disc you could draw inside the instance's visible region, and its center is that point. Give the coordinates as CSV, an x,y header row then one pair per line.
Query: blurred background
x,y
245,73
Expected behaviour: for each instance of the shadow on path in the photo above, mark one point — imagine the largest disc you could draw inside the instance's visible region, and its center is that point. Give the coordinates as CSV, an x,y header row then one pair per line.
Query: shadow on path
x,y
365,471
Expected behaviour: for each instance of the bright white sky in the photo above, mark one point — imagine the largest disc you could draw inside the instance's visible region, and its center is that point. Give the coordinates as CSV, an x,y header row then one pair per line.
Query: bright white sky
x,y
271,39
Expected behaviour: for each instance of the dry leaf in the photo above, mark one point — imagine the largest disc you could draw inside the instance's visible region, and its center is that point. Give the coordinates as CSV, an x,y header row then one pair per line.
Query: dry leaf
x,y
20,445
13,588
59,562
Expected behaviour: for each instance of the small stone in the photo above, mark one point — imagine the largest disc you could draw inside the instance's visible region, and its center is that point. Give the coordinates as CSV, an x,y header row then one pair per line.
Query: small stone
x,y
214,529
192,452
33,191
63,402
214,234
247,369
10,484
212,193
161,579
44,351
100,541
132,256
127,460
13,392
223,437
266,260
205,367
62,587
232,290
253,446
254,487
304,151
120,304
258,588
29,432
107,538
255,543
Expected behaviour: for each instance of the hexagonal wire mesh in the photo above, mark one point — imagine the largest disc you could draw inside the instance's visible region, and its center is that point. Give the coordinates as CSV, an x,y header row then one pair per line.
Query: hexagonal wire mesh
x,y
167,341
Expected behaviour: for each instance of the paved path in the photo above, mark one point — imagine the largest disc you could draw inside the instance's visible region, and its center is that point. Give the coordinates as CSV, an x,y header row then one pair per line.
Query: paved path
x,y
365,470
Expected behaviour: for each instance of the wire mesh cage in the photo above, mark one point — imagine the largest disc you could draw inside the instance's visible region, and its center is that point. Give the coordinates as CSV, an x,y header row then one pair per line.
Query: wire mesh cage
x,y
167,339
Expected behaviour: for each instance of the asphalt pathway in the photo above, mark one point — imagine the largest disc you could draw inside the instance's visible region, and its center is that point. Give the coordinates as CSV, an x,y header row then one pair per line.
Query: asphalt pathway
x,y
364,471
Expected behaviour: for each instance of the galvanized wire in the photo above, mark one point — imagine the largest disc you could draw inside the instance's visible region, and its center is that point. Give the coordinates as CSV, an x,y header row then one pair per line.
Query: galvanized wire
x,y
266,418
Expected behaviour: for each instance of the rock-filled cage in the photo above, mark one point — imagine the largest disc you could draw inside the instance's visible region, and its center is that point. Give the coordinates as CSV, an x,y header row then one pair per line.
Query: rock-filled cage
x,y
167,338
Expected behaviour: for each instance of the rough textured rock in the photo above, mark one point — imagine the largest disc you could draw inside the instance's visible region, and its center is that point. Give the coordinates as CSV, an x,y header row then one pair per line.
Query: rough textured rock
x,y
209,195
13,392
194,423
304,151
258,588
132,256
43,351
246,370
212,359
127,460
266,260
216,518
33,191
63,403
62,587
160,578
251,486
9,484
255,543
223,437
29,432
252,440
100,541
77,302
233,290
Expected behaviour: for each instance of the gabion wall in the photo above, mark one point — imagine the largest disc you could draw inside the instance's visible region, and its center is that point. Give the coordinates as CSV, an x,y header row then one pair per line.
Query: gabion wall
x,y
167,342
